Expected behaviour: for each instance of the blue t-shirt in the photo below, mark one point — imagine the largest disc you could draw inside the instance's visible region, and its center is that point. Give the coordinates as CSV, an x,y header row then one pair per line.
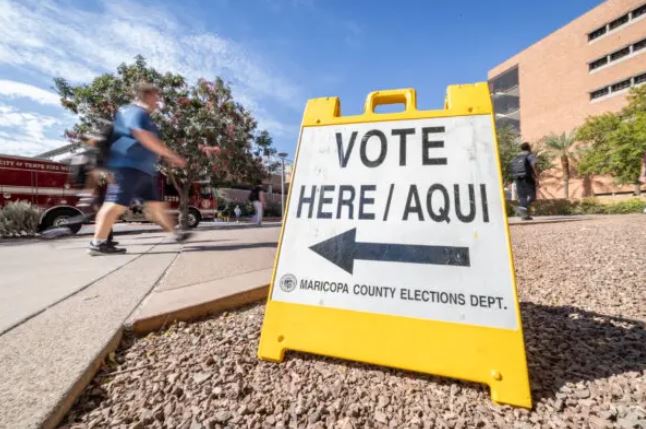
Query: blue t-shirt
x,y
126,151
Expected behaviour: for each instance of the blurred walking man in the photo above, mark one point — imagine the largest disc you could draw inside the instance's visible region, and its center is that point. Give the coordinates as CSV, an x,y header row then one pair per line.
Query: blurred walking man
x,y
134,154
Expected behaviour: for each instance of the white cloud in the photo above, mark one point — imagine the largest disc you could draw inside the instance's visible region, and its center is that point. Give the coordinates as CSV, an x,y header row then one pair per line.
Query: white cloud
x,y
78,45
275,128
27,133
13,89
53,40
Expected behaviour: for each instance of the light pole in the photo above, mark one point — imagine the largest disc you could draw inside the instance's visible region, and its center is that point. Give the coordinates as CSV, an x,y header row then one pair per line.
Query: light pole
x,y
282,156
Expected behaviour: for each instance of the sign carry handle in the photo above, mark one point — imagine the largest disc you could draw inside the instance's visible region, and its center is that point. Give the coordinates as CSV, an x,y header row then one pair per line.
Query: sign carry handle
x,y
406,96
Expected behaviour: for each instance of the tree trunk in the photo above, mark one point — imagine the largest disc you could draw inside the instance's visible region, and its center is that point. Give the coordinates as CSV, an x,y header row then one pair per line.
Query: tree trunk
x,y
183,189
565,164
183,205
638,188
587,185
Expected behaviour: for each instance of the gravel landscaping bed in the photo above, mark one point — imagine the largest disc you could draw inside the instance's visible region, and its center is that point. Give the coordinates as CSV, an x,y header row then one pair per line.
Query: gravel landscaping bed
x,y
583,293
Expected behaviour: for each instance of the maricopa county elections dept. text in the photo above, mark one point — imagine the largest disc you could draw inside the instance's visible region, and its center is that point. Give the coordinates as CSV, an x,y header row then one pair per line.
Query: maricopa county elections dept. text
x,y
437,202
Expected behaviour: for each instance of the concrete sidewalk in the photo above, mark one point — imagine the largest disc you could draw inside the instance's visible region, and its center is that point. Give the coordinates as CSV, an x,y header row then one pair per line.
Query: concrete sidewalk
x,y
69,309
37,274
223,269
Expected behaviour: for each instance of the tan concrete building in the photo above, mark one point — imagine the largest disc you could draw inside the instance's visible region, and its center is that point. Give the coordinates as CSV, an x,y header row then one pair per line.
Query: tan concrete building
x,y
584,68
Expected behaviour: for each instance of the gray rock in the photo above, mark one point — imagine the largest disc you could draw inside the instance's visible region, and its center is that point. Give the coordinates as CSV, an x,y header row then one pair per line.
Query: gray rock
x,y
582,393
196,425
222,416
201,377
383,401
631,423
381,417
147,416
598,423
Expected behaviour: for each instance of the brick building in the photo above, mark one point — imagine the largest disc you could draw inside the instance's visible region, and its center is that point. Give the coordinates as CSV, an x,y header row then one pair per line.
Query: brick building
x,y
584,68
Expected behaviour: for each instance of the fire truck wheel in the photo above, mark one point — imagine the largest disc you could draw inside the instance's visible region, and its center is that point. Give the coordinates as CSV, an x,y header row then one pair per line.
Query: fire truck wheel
x,y
60,217
194,217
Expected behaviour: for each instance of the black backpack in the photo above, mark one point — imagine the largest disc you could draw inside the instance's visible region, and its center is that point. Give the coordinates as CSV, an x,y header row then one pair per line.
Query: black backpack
x,y
97,157
519,167
80,166
104,143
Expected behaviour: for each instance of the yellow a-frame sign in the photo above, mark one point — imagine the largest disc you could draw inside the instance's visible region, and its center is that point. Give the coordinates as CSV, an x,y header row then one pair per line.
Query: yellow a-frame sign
x,y
395,247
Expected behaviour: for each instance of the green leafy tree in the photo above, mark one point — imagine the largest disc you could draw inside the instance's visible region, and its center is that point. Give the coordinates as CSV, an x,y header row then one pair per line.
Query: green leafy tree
x,y
617,141
201,122
593,157
562,147
265,149
508,148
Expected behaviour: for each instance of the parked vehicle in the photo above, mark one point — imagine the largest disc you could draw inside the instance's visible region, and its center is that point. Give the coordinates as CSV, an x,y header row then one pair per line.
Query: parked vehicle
x,y
45,184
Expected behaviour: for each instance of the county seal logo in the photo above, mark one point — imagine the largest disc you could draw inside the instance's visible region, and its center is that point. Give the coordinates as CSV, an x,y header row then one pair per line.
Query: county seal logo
x,y
288,282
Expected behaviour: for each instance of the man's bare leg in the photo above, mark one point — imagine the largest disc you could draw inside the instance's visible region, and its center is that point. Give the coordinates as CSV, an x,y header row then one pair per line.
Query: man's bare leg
x,y
105,219
158,211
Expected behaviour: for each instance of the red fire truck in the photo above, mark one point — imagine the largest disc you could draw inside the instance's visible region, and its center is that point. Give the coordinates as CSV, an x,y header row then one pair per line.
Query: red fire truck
x,y
45,184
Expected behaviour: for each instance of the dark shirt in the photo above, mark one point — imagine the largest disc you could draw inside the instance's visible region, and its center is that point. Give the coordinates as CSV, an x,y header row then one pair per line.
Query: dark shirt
x,y
255,194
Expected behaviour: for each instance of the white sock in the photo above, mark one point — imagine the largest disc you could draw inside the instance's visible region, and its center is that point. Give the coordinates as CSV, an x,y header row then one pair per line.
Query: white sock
x,y
98,242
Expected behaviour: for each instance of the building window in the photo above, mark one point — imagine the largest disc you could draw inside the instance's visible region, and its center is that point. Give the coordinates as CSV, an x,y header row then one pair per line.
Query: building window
x,y
639,45
639,11
506,99
620,85
620,53
597,33
598,63
618,22
599,93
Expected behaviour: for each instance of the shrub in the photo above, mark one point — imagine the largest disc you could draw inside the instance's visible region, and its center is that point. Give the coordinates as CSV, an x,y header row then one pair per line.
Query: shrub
x,y
589,206
18,218
272,210
554,207
634,205
586,206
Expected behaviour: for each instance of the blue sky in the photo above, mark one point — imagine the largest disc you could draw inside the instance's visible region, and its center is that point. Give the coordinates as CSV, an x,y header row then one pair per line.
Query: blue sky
x,y
275,53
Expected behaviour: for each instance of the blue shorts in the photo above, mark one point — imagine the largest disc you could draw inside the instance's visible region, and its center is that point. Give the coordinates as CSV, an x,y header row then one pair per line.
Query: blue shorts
x,y
130,184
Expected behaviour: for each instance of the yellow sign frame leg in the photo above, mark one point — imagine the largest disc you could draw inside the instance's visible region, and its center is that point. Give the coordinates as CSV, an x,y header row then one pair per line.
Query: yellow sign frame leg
x,y
495,357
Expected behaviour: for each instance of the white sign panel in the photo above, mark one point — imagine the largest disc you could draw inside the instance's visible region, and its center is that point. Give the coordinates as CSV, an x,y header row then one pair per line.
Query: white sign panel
x,y
400,218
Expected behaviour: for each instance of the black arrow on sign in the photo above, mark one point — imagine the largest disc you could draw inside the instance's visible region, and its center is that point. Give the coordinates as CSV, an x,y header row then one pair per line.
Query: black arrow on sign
x,y
343,249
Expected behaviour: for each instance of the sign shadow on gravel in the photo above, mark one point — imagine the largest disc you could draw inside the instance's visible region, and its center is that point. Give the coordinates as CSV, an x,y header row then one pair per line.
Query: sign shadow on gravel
x,y
566,344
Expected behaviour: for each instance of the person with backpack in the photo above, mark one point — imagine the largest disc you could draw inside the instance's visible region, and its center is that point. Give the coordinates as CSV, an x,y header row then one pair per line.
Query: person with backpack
x,y
135,150
257,198
525,175
87,171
